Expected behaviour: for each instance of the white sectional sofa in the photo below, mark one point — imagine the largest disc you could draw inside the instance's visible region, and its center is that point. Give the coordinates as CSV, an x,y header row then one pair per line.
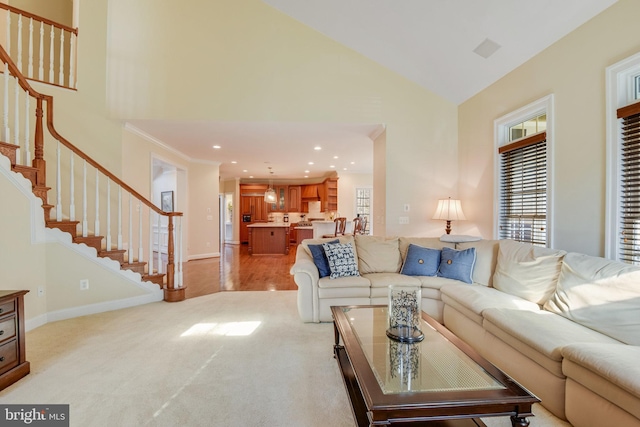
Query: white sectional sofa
x,y
564,325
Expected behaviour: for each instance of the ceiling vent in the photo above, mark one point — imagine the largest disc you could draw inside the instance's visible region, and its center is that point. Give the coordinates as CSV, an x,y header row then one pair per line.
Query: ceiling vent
x,y
487,48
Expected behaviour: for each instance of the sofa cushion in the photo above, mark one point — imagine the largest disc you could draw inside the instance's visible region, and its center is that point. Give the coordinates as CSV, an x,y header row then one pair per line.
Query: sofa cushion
x,y
320,258
421,261
600,294
486,258
342,239
457,265
345,282
530,272
383,280
474,300
539,335
609,370
342,260
378,254
425,242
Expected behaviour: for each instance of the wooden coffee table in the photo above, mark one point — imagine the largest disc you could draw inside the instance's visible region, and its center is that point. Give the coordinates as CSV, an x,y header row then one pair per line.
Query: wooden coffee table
x,y
440,381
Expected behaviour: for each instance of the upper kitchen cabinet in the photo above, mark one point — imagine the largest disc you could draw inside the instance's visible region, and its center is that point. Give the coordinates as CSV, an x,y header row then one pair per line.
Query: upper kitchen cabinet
x,y
330,199
295,198
281,199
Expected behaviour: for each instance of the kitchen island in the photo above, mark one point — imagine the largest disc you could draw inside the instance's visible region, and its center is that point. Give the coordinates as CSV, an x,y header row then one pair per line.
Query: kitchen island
x,y
269,238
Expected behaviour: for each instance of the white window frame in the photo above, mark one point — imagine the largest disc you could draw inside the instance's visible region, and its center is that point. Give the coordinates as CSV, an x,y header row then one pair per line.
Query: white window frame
x,y
355,206
620,87
501,137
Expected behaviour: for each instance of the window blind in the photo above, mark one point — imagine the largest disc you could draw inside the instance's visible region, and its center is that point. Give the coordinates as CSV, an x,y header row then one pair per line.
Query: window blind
x,y
629,217
523,190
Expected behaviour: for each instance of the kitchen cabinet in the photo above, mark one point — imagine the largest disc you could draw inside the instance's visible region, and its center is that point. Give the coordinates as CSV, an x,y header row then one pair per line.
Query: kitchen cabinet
x,y
251,203
330,201
269,239
295,198
281,199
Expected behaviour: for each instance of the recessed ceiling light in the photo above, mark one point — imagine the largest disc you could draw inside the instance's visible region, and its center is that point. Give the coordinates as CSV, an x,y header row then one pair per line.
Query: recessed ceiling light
x,y
335,157
250,176
306,176
344,169
244,170
317,148
234,162
306,171
217,147
332,166
310,163
353,163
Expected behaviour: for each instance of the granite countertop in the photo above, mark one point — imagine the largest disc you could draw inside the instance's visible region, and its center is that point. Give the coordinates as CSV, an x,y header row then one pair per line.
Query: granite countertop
x,y
269,224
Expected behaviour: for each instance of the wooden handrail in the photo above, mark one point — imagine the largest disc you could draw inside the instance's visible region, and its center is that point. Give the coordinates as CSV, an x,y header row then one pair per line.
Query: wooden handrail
x,y
38,18
13,68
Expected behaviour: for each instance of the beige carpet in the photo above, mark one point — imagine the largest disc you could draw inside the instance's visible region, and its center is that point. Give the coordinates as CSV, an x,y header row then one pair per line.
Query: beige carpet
x,y
226,359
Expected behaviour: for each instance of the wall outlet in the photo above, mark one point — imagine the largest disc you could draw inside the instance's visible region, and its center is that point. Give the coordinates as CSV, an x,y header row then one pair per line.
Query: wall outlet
x,y
84,284
40,291
403,220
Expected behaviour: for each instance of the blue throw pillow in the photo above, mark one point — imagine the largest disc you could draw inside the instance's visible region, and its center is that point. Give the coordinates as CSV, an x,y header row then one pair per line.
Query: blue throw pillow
x,y
457,264
320,258
421,261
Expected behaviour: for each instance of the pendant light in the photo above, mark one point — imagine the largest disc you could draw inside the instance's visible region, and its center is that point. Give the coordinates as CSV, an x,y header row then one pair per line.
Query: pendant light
x,y
270,194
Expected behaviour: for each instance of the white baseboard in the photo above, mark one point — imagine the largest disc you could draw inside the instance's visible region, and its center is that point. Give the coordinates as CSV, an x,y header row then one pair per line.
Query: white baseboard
x,y
203,256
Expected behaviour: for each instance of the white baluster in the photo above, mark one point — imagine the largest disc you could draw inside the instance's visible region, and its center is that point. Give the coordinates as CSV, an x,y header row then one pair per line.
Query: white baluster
x,y
72,187
58,185
179,251
159,253
108,213
27,130
51,61
5,112
119,218
72,61
30,67
130,250
19,61
16,121
61,72
150,267
41,56
8,33
140,247
85,223
96,226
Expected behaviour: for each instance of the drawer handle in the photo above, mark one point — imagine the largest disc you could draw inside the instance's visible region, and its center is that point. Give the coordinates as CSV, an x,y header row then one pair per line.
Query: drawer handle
x,y
2,359
1,310
1,332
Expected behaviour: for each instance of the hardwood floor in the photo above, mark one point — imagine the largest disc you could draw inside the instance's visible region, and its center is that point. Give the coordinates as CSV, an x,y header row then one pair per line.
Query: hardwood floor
x,y
236,270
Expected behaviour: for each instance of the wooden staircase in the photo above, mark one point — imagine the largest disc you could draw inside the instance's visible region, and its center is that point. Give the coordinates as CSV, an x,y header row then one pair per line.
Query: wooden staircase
x,y
67,226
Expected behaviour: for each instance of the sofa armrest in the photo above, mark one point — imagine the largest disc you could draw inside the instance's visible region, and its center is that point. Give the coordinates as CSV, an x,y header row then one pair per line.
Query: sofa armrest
x,y
305,274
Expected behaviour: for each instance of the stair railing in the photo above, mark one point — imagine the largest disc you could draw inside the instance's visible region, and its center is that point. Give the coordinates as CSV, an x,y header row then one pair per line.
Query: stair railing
x,y
132,221
55,45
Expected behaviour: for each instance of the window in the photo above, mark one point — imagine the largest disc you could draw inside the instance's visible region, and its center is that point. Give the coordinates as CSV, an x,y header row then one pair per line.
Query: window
x,y
363,206
623,161
523,174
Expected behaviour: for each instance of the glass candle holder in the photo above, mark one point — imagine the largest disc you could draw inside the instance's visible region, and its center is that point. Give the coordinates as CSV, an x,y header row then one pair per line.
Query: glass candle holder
x,y
405,313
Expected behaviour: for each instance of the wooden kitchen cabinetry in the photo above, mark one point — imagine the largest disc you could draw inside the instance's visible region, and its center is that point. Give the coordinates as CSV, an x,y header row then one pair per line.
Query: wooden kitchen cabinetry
x,y
330,202
13,363
295,198
281,199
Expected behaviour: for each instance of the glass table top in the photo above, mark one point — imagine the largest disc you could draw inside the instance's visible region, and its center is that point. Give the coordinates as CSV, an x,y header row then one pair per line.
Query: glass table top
x,y
432,365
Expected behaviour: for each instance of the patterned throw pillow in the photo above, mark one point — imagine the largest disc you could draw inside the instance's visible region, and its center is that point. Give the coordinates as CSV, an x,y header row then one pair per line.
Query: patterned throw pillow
x,y
421,261
342,260
457,264
320,258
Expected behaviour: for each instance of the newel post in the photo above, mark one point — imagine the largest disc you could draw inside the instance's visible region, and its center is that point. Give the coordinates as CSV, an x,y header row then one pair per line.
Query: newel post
x,y
38,159
171,293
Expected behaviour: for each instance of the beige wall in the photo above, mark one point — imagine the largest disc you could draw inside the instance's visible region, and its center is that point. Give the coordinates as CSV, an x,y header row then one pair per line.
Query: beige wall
x,y
573,69
244,61
204,213
347,184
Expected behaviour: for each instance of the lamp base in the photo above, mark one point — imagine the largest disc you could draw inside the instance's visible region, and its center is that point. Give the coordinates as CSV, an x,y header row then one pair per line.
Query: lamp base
x,y
448,228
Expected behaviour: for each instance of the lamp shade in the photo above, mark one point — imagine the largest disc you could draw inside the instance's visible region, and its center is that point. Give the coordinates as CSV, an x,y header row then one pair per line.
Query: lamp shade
x,y
270,195
449,210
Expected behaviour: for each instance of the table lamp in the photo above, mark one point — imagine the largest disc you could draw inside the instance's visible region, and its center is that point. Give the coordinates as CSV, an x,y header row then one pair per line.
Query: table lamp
x,y
449,210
